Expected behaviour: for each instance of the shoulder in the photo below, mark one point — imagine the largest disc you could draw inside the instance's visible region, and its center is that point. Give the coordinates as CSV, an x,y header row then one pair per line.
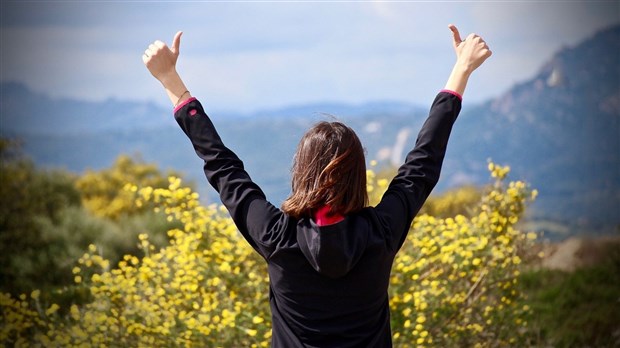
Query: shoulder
x,y
371,221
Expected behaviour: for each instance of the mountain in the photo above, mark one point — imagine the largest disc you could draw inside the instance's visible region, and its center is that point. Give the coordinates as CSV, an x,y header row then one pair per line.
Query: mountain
x,y
23,111
560,131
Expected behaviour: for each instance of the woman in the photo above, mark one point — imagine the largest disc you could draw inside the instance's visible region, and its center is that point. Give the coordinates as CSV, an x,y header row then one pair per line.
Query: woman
x,y
329,256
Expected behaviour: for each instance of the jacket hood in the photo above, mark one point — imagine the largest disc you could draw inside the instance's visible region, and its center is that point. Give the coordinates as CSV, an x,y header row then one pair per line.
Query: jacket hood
x,y
332,250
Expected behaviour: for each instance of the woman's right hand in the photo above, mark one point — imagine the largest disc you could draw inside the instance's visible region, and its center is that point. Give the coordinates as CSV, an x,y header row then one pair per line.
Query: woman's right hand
x,y
471,52
161,60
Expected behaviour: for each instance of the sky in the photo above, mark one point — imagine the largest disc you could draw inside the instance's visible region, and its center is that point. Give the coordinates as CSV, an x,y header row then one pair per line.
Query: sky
x,y
245,56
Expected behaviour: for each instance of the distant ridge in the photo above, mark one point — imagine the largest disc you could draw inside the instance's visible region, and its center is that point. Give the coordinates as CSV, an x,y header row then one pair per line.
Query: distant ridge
x,y
23,111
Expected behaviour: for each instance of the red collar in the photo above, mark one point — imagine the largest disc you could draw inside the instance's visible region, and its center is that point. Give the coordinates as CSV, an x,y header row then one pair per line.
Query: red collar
x,y
323,216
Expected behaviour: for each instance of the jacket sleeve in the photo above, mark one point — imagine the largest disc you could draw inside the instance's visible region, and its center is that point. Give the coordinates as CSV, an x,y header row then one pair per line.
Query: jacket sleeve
x,y
253,215
420,173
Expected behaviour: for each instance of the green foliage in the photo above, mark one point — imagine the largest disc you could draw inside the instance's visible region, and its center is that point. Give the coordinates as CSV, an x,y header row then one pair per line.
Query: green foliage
x,y
45,229
576,309
459,201
30,200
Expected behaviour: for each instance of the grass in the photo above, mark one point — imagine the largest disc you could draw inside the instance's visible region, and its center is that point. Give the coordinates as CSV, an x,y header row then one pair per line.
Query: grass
x,y
576,309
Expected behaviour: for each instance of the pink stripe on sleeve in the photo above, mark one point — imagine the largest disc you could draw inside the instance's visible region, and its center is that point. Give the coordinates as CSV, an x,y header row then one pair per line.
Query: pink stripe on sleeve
x,y
453,93
178,107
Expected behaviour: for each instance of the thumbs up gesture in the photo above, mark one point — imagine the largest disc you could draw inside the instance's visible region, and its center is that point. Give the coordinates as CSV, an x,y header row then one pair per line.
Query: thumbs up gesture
x,y
471,52
160,59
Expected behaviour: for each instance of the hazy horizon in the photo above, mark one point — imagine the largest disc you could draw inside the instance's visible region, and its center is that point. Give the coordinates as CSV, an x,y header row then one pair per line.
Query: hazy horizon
x,y
247,56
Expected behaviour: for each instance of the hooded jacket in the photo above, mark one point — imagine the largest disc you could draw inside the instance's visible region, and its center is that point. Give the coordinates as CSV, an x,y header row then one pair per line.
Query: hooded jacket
x,y
328,283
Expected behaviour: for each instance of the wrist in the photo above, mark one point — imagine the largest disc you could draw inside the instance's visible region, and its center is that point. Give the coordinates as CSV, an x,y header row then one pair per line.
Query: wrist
x,y
174,86
463,69
459,76
169,78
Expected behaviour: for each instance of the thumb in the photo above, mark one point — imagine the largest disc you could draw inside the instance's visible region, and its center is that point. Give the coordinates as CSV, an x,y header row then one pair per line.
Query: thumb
x,y
176,43
456,36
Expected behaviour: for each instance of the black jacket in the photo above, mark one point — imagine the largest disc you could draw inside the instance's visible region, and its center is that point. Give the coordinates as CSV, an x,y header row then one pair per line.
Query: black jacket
x,y
328,284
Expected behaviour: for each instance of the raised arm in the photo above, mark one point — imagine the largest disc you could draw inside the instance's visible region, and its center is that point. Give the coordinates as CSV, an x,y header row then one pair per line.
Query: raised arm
x,y
161,62
419,174
245,201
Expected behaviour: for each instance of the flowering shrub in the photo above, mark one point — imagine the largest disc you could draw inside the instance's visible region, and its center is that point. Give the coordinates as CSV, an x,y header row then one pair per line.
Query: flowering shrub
x,y
206,288
454,281
101,191
453,284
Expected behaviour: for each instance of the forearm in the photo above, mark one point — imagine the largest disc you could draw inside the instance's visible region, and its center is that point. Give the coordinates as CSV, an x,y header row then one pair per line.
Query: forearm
x,y
457,82
423,163
175,88
223,169
417,177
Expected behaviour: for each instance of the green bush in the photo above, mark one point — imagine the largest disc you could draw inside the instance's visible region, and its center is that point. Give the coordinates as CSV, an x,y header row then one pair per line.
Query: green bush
x,y
44,228
576,309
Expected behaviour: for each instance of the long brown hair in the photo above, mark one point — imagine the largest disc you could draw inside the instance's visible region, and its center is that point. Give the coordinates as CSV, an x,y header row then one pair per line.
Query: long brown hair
x,y
328,169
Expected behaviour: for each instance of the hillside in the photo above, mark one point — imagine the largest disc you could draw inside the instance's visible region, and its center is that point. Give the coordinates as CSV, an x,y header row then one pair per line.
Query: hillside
x,y
560,131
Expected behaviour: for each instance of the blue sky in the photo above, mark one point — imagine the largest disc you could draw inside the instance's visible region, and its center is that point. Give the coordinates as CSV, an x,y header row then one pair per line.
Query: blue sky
x,y
244,55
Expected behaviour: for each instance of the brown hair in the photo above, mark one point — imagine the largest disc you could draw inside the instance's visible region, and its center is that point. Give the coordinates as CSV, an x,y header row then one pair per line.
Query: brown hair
x,y
328,169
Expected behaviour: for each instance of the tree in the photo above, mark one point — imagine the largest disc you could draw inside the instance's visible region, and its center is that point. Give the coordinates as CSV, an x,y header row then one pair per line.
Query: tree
x,y
29,199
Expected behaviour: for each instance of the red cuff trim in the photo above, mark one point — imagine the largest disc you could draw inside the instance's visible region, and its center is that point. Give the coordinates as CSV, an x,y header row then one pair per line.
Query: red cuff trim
x,y
178,107
323,216
453,93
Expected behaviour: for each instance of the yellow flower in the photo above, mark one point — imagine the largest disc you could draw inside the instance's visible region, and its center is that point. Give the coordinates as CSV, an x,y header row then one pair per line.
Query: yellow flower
x,y
251,332
531,235
53,309
75,312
